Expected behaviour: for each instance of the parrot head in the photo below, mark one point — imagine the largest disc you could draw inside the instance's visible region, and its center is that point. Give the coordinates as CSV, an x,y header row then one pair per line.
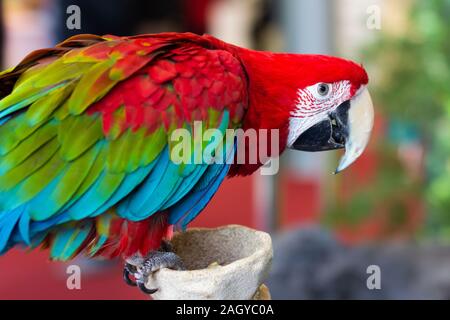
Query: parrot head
x,y
317,102
333,113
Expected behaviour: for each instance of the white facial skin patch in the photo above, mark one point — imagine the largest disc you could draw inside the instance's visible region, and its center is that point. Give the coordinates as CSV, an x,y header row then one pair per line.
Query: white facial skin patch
x,y
312,107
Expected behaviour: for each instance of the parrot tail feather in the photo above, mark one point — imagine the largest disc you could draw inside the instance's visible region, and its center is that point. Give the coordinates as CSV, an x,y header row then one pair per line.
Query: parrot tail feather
x,y
127,238
107,236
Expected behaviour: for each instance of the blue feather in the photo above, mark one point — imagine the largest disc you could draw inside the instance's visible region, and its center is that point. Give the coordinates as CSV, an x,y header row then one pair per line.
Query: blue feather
x,y
38,238
130,182
184,207
205,198
4,120
133,207
40,206
186,186
8,221
94,198
35,227
68,240
189,207
184,190
46,203
24,228
166,187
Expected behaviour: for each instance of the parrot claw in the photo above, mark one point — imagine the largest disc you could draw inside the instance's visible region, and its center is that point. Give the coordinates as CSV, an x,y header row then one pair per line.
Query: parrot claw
x,y
141,268
145,290
127,271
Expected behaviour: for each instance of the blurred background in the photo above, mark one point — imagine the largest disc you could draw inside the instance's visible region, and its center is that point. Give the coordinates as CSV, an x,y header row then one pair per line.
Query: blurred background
x,y
390,209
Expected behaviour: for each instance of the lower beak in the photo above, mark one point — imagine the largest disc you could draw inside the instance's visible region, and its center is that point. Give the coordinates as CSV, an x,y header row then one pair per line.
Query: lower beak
x,y
349,126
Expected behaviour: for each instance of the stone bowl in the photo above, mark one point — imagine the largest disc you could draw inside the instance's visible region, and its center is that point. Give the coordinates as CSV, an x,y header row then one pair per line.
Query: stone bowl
x,y
224,263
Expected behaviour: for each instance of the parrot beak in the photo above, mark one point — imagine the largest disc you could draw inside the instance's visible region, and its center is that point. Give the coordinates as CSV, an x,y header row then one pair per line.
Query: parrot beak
x,y
349,126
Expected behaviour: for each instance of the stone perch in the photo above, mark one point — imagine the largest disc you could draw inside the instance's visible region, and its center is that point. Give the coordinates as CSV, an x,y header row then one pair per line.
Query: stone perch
x,y
224,263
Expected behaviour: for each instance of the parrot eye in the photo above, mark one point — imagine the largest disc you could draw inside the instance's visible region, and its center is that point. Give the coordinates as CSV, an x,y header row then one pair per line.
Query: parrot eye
x,y
323,89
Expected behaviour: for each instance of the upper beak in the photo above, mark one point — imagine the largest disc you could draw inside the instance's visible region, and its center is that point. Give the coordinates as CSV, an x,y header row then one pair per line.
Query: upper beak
x,y
348,126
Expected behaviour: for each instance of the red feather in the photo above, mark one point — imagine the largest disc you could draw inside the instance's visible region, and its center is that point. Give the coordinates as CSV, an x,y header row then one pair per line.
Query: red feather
x,y
174,78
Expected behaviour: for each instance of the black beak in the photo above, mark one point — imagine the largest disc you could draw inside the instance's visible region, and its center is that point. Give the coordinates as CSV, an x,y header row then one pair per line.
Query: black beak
x,y
349,126
330,134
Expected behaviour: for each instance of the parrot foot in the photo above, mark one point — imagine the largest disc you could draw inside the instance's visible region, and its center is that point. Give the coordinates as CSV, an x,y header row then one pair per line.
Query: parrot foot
x,y
142,267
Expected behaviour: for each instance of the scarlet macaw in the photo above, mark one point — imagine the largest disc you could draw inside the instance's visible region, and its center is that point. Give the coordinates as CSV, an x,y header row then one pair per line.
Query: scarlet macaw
x,y
84,135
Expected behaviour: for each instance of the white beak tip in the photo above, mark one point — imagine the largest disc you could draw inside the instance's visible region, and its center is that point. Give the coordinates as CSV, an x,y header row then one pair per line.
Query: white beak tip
x,y
361,118
339,169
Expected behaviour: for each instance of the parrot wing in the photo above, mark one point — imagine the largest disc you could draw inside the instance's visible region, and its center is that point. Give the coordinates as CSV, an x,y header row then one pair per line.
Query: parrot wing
x,y
87,126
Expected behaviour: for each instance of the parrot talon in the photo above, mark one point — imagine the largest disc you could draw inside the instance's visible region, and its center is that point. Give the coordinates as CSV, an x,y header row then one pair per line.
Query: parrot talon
x,y
144,289
126,275
141,268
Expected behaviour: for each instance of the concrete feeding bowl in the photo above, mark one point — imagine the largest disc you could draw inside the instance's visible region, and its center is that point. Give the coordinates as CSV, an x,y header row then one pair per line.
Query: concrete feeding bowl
x,y
225,263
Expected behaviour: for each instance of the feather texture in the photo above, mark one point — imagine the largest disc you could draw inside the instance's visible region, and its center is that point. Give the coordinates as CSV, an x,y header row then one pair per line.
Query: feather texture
x,y
85,148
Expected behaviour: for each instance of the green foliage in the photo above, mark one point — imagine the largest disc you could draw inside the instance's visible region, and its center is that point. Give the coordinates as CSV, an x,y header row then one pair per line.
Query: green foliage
x,y
438,191
386,193
411,87
414,70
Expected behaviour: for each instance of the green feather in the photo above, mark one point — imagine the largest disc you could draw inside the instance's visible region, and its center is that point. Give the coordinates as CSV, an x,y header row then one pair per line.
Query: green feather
x,y
135,155
154,143
14,131
31,72
119,151
102,227
48,79
29,188
78,133
27,147
55,73
16,175
117,126
44,107
19,99
92,176
93,85
72,178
